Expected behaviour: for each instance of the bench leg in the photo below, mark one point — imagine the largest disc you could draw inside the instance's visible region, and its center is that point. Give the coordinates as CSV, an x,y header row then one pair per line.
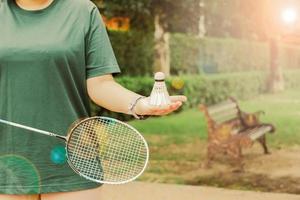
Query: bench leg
x,y
262,141
210,156
235,152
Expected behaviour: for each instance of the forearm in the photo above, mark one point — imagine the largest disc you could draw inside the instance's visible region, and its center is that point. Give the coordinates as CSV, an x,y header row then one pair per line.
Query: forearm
x,y
105,92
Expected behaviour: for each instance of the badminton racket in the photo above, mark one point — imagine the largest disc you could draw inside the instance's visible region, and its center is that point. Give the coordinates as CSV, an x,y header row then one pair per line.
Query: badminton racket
x,y
102,149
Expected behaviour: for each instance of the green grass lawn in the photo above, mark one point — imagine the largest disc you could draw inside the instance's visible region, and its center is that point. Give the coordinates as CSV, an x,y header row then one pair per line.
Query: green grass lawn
x,y
282,110
178,146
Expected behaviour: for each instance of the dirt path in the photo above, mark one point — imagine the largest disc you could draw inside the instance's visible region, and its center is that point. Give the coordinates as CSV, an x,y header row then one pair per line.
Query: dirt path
x,y
155,191
280,163
181,163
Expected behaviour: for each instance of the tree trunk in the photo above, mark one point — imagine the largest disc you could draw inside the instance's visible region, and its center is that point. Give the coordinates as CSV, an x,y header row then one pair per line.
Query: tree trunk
x,y
161,46
275,80
201,25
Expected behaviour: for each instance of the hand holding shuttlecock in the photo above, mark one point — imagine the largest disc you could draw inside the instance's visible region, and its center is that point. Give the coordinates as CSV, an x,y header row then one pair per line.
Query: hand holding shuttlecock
x,y
159,102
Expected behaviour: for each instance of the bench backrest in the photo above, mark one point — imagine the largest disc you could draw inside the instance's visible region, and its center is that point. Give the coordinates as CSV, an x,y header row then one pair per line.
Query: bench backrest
x,y
222,112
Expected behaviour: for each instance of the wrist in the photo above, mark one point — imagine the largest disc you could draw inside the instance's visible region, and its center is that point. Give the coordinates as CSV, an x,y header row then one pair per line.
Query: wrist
x,y
138,108
134,108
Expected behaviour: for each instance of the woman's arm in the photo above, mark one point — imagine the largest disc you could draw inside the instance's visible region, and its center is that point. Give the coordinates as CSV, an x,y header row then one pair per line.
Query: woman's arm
x,y
105,92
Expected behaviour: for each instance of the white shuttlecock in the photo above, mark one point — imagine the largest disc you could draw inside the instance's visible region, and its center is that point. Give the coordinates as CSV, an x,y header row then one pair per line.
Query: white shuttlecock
x,y
159,95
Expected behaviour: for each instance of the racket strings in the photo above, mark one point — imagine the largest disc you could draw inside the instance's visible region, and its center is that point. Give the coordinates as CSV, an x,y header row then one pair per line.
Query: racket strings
x,y
121,159
83,151
105,150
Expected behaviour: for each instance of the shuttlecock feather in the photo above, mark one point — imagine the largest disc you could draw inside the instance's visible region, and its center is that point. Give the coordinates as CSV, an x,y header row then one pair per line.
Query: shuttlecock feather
x,y
159,95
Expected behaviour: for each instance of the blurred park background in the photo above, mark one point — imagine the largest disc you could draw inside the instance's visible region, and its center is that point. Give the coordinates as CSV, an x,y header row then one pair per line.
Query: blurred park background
x,y
211,50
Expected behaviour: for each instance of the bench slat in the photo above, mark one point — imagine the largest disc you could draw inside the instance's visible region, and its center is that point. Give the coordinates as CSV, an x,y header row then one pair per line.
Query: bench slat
x,y
226,116
258,132
222,107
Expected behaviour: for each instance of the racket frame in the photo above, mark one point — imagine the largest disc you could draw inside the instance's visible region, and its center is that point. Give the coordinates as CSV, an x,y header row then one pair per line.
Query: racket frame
x,y
100,181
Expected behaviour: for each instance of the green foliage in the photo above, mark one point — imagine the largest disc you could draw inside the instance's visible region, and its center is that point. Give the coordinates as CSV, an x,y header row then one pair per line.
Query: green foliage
x,y
134,51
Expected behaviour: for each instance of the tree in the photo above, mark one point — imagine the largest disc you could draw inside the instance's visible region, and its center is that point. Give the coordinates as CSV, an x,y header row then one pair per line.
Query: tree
x,y
201,25
274,29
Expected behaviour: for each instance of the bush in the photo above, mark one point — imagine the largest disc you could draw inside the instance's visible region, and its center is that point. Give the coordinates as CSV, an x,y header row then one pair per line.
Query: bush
x,y
203,89
215,88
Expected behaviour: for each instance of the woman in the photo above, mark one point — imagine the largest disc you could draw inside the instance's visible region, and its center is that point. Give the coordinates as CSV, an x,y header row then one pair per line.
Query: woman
x,y
54,56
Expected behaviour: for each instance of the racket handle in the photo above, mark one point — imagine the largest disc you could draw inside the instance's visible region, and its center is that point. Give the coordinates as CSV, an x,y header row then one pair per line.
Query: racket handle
x,y
31,129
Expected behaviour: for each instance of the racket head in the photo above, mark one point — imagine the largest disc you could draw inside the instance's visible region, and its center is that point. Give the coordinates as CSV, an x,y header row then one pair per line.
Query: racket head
x,y
106,150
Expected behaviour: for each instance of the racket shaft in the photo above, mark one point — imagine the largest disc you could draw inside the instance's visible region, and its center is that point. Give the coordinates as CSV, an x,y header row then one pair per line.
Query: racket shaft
x,y
31,129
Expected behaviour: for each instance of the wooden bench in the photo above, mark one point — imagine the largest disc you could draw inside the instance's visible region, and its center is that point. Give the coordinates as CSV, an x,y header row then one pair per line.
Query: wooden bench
x,y
230,129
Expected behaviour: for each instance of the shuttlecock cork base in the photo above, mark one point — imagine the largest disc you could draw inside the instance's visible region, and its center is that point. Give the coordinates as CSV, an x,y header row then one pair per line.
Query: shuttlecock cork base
x,y
159,95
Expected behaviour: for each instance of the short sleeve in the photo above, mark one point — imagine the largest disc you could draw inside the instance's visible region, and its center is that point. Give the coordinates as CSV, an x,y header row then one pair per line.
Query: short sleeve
x,y
100,58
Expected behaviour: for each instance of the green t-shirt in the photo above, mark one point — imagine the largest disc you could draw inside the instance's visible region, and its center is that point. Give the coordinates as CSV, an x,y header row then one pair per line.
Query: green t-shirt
x,y
45,58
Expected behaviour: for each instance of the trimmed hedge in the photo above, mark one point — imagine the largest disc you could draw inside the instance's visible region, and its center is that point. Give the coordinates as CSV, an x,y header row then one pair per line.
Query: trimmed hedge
x,y
292,78
191,55
211,55
205,89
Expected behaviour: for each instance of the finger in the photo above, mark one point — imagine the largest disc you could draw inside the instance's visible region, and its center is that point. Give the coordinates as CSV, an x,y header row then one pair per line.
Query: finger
x,y
167,111
178,104
161,113
153,109
171,106
181,98
164,109
176,107
158,113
